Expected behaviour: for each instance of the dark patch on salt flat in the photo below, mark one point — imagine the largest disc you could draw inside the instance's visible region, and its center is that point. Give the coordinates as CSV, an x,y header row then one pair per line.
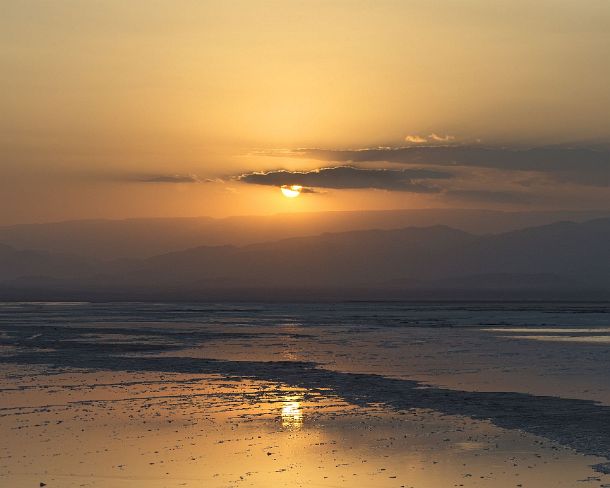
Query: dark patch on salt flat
x,y
582,425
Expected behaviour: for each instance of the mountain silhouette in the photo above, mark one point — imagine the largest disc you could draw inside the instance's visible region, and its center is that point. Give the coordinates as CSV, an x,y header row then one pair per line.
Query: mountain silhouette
x,y
147,237
555,260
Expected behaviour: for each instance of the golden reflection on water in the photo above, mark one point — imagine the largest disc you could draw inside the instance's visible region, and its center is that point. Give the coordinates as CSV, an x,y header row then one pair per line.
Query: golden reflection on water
x,y
292,414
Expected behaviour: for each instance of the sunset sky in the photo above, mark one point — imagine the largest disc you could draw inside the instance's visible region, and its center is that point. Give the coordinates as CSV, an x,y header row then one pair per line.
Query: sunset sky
x,y
180,108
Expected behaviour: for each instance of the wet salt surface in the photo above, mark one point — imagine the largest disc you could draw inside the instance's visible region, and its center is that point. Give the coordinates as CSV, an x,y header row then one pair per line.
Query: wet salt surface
x,y
298,401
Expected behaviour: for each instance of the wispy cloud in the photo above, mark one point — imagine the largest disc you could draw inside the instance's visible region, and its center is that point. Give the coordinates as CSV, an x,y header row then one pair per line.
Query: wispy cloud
x,y
348,177
438,138
418,139
415,139
167,178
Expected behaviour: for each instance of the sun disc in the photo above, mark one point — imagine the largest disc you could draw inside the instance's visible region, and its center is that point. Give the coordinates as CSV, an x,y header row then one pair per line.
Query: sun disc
x,y
291,191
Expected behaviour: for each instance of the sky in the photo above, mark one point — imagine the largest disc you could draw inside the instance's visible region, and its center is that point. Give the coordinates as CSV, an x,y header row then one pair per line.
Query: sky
x,y
117,109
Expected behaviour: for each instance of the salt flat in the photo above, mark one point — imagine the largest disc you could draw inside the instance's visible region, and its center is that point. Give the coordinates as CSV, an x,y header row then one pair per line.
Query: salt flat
x,y
397,395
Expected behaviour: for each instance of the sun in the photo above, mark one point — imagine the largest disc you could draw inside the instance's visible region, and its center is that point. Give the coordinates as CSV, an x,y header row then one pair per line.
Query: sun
x,y
291,191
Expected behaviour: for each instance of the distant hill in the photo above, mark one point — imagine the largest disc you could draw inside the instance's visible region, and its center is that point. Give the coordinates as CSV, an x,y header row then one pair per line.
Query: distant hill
x,y
357,258
22,264
142,238
559,260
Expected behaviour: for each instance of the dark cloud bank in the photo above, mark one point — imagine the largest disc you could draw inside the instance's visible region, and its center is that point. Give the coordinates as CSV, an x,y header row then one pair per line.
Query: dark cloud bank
x,y
589,166
451,171
348,177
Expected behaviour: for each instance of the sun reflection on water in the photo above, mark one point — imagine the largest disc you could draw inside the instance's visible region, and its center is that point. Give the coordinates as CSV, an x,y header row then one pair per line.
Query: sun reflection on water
x,y
292,414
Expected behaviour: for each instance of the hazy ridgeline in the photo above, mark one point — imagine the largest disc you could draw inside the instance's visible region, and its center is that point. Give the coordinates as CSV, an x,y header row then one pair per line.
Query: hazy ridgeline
x,y
436,254
146,237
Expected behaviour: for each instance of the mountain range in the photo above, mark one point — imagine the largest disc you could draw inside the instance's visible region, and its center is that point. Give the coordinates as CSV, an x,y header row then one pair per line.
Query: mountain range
x,y
561,260
147,237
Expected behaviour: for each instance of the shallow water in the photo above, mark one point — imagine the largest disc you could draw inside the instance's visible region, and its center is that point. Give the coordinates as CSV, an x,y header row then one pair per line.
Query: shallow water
x,y
412,395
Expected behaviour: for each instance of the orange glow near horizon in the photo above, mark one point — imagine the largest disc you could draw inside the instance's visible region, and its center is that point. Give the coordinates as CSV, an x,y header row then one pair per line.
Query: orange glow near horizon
x,y
146,110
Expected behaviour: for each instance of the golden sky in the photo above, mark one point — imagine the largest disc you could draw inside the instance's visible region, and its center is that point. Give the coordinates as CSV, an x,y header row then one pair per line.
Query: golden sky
x,y
155,108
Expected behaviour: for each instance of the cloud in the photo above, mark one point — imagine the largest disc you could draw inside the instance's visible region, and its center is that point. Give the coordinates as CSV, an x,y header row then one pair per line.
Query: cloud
x,y
348,177
417,139
307,189
165,178
437,138
581,165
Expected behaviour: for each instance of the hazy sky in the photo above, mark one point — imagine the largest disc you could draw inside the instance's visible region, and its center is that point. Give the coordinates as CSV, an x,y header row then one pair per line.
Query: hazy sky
x,y
166,108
